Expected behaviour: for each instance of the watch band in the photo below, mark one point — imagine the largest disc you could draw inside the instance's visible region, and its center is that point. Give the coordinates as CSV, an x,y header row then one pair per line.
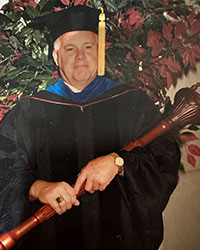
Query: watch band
x,y
119,162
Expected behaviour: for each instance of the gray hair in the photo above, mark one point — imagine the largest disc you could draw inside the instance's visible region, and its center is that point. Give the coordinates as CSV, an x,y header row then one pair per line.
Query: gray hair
x,y
57,44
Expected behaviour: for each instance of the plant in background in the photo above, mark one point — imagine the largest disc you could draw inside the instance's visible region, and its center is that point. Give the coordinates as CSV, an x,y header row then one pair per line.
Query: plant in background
x,y
150,43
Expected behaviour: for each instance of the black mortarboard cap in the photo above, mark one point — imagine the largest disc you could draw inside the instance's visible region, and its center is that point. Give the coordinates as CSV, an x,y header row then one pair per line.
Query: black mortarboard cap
x,y
79,17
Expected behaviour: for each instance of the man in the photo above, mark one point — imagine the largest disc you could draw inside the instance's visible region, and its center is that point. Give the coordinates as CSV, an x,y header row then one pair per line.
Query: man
x,y
73,133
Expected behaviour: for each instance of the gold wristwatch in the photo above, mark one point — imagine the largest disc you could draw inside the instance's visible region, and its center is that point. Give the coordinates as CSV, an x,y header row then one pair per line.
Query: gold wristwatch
x,y
119,162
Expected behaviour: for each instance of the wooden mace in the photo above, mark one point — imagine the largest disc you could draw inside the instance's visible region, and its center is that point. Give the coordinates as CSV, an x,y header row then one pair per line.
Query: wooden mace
x,y
186,110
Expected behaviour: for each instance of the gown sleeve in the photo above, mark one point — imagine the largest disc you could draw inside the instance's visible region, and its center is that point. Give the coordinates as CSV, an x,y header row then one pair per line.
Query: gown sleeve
x,y
16,172
150,176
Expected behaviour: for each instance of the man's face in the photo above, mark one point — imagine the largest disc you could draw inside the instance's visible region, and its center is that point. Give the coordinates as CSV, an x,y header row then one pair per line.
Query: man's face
x,y
77,57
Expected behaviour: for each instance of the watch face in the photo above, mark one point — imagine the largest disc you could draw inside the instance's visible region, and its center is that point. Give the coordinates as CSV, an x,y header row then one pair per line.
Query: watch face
x,y
119,161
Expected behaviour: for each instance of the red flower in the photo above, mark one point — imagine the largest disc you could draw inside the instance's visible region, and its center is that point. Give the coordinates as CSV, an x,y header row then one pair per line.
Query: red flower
x,y
16,56
107,45
1,114
165,2
77,2
129,57
65,2
12,97
133,16
3,111
119,73
31,3
18,9
3,37
57,9
139,23
139,49
55,74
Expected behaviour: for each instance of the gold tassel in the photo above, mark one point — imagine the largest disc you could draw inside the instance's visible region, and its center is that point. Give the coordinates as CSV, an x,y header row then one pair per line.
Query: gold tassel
x,y
101,44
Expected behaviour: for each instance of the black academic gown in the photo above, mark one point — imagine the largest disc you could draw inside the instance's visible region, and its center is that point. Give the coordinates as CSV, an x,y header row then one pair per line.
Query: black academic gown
x,y
51,138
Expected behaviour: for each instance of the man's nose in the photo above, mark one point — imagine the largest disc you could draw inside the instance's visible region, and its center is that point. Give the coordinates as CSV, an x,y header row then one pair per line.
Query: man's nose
x,y
80,54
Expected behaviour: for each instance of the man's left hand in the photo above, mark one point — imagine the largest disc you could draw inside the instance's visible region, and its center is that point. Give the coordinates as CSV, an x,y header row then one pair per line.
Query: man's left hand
x,y
97,174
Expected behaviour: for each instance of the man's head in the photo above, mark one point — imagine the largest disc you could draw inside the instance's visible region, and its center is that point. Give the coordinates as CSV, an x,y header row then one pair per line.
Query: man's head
x,y
76,54
74,32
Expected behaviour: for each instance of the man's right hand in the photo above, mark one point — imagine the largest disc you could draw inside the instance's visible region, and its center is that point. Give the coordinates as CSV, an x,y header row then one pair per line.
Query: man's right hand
x,y
59,195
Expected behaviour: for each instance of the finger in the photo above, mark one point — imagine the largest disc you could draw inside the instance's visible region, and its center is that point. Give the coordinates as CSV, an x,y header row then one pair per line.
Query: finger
x,y
80,180
56,207
77,203
89,186
102,187
67,200
71,192
63,206
59,199
95,186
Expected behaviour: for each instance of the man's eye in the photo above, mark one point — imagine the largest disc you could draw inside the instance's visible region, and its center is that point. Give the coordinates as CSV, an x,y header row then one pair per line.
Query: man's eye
x,y
69,49
89,47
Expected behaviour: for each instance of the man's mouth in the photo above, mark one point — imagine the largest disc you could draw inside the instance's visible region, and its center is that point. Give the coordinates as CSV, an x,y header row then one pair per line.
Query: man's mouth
x,y
80,66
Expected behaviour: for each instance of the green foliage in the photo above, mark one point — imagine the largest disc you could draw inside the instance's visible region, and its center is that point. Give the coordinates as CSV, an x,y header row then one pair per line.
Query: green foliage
x,y
148,44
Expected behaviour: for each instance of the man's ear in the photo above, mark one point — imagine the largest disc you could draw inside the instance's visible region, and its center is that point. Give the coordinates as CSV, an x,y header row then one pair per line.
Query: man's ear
x,y
55,56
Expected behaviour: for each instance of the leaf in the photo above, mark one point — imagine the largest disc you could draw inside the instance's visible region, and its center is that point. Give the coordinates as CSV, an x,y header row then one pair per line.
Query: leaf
x,y
37,36
189,57
41,4
162,70
26,31
173,65
122,4
186,57
169,79
196,50
191,160
152,37
195,27
14,42
12,74
157,47
181,11
5,49
188,136
167,31
192,15
111,6
176,43
194,149
32,12
180,28
24,75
